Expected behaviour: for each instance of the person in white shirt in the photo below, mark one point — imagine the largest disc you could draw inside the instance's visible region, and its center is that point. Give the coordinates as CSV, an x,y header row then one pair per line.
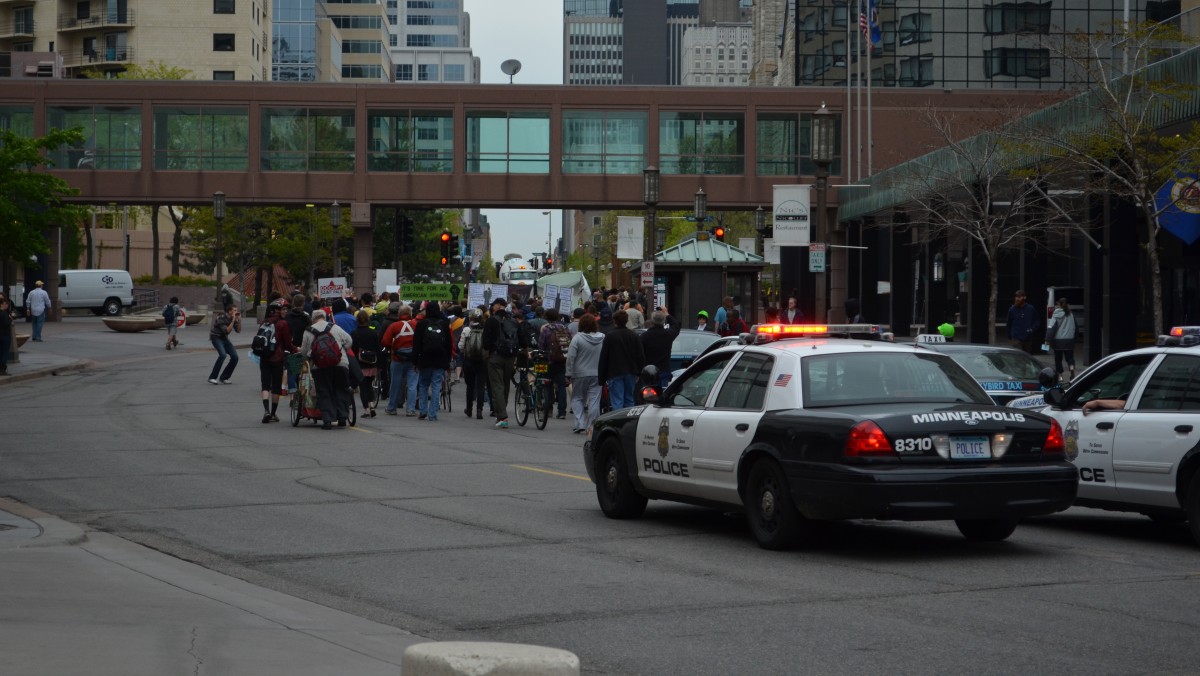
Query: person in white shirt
x,y
38,307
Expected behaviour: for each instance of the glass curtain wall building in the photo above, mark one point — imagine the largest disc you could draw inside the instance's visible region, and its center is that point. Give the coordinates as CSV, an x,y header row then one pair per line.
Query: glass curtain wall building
x,y
430,41
612,42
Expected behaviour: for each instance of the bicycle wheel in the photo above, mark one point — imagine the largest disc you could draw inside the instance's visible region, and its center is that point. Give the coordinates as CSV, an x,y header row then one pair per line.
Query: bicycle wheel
x,y
540,409
521,396
353,408
295,409
447,389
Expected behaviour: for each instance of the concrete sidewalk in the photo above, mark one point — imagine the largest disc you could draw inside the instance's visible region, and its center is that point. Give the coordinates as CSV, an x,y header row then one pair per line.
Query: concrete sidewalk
x,y
87,602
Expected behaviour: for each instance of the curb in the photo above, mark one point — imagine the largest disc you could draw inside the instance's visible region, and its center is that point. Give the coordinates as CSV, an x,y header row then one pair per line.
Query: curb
x,y
54,531
51,371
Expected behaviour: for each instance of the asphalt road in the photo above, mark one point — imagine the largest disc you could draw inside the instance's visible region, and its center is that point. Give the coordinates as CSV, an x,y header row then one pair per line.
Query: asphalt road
x,y
453,530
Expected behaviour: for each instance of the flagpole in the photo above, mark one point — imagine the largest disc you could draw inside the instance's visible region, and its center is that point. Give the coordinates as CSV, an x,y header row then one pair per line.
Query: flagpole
x,y
848,152
858,113
870,56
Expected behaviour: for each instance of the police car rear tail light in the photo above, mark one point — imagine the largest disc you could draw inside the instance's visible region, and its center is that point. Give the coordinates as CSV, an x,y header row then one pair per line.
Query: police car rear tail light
x,y
1183,336
866,440
1055,446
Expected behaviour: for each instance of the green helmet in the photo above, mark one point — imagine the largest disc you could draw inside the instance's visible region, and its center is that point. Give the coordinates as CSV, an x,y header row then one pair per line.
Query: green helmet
x,y
946,330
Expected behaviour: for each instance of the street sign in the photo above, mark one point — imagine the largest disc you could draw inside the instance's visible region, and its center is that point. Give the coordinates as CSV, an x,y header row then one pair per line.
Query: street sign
x,y
647,274
692,219
816,257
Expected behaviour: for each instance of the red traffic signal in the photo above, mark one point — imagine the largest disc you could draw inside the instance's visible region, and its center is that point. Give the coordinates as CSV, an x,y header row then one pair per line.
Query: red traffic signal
x,y
719,233
445,237
445,260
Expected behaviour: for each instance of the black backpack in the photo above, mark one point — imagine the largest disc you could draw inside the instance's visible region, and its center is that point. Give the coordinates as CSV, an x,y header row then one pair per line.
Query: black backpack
x,y
433,342
168,314
507,342
263,345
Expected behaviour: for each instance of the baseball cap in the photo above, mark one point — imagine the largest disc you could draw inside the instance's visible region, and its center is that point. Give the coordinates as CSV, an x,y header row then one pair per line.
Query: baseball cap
x,y
702,313
39,283
393,309
946,330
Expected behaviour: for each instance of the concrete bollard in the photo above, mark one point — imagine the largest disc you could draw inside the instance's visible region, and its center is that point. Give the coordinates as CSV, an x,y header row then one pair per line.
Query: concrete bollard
x,y
470,658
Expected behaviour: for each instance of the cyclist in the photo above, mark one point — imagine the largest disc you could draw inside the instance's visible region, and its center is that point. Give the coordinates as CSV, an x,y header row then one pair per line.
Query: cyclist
x,y
555,340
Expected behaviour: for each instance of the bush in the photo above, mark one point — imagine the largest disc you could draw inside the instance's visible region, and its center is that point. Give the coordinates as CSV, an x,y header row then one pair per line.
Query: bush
x,y
173,280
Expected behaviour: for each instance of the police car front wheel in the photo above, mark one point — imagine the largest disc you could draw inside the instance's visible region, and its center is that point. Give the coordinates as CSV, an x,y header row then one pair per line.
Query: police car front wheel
x,y
770,512
614,491
986,530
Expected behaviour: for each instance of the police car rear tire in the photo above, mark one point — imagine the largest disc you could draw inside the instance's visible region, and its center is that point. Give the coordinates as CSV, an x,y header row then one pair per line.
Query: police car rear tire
x,y
1193,507
770,512
614,491
986,530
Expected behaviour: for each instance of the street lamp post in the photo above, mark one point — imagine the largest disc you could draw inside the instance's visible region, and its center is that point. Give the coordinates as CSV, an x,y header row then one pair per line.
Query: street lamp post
x,y
650,178
218,210
549,237
335,219
700,209
823,130
312,261
596,258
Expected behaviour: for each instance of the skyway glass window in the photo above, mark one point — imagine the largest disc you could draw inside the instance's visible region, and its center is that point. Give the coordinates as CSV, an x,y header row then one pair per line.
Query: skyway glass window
x,y
112,137
701,143
784,140
508,142
410,140
307,139
604,142
17,119
201,138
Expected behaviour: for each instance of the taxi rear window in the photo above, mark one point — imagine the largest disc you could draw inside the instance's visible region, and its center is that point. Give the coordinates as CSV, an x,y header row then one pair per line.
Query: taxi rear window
x,y
886,378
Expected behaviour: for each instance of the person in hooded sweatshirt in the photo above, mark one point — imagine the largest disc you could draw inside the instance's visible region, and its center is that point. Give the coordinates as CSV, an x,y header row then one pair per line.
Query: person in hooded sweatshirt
x,y
583,361
606,324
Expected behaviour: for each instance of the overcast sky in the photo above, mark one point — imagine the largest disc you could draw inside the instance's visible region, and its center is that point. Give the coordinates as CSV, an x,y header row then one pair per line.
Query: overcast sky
x,y
529,31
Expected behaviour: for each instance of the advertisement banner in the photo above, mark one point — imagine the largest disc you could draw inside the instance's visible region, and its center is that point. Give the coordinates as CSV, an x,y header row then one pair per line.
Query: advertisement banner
x,y
630,236
791,211
332,287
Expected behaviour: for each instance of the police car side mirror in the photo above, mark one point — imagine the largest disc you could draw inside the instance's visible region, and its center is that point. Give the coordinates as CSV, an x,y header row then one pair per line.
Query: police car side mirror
x,y
1055,396
1047,377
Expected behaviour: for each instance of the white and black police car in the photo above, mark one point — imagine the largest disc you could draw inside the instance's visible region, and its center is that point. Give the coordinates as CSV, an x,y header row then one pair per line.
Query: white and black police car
x,y
794,431
1140,451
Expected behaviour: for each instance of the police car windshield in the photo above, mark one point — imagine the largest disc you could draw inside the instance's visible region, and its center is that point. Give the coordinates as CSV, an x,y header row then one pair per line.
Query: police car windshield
x,y
853,379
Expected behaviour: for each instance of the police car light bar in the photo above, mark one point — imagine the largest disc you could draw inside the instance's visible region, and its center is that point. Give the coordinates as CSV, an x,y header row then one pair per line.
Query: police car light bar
x,y
1182,336
768,332
782,329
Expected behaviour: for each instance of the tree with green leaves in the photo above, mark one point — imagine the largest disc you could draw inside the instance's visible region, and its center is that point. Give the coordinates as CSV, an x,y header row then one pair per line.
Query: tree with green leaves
x,y
32,201
1112,137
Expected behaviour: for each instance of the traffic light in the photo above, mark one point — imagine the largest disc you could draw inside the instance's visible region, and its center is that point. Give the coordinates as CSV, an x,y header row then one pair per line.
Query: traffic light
x,y
719,233
406,227
444,239
549,262
454,248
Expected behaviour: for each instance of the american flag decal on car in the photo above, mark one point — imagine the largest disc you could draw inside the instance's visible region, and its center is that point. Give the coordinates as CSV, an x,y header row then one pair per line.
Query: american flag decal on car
x,y
783,379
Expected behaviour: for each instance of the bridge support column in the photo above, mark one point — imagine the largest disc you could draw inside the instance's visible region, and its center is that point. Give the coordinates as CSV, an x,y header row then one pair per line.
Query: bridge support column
x,y
364,264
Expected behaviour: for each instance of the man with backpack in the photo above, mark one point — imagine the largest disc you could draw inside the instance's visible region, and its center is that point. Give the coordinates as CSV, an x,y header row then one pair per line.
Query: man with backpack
x,y
470,346
325,345
432,351
501,342
271,345
171,314
555,341
399,339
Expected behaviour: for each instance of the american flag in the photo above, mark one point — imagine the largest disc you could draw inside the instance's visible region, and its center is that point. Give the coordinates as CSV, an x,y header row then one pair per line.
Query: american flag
x,y
783,379
864,23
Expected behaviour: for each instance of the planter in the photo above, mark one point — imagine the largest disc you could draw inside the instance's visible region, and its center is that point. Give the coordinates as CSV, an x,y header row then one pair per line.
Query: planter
x,y
132,324
196,317
21,338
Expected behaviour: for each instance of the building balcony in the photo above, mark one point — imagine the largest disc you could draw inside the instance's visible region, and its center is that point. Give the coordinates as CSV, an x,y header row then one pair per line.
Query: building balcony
x,y
99,57
95,22
16,29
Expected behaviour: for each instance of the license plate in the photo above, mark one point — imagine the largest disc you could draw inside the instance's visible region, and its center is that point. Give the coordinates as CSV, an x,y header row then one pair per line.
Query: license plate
x,y
541,369
970,448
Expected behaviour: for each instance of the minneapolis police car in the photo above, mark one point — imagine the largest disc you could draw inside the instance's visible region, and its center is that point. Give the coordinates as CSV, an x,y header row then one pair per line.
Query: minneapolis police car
x,y
794,431
1132,428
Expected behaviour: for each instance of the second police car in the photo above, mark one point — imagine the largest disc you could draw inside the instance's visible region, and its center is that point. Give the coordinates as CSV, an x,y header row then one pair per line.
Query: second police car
x,y
797,431
1131,424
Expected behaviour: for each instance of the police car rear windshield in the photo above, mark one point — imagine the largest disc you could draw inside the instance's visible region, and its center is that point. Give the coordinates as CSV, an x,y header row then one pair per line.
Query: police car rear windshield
x,y
853,379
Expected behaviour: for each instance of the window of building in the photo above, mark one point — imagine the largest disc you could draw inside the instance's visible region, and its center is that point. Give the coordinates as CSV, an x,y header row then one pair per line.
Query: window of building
x,y
224,7
410,140
362,47
453,72
362,71
839,15
83,10
22,21
1016,17
393,40
1162,11
427,72
888,31
513,142
223,75
604,142
1017,62
422,40
916,71
838,50
364,22
404,72
915,27
702,143
223,42
431,20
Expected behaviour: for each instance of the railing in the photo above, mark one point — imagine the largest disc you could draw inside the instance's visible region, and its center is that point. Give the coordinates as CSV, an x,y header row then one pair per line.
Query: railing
x,y
17,29
144,298
71,23
96,57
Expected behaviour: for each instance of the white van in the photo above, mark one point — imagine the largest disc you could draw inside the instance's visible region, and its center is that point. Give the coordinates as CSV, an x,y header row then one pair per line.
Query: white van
x,y
101,291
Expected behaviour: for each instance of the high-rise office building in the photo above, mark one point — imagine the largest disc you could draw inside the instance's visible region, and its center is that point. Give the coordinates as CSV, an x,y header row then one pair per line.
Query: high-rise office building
x,y
329,41
222,39
616,42
430,41
718,55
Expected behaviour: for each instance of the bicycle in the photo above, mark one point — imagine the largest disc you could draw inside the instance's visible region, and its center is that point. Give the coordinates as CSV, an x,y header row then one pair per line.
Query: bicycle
x,y
530,392
447,390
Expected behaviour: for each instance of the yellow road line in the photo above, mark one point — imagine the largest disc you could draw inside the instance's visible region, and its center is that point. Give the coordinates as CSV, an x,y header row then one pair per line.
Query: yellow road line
x,y
359,429
549,471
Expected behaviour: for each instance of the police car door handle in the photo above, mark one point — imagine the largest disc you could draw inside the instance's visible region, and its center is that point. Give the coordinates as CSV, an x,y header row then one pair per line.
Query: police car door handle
x,y
688,422
741,427
1104,426
1183,429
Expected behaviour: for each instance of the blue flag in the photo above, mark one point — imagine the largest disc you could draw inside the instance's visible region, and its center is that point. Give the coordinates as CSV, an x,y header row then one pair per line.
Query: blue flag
x,y
1178,202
